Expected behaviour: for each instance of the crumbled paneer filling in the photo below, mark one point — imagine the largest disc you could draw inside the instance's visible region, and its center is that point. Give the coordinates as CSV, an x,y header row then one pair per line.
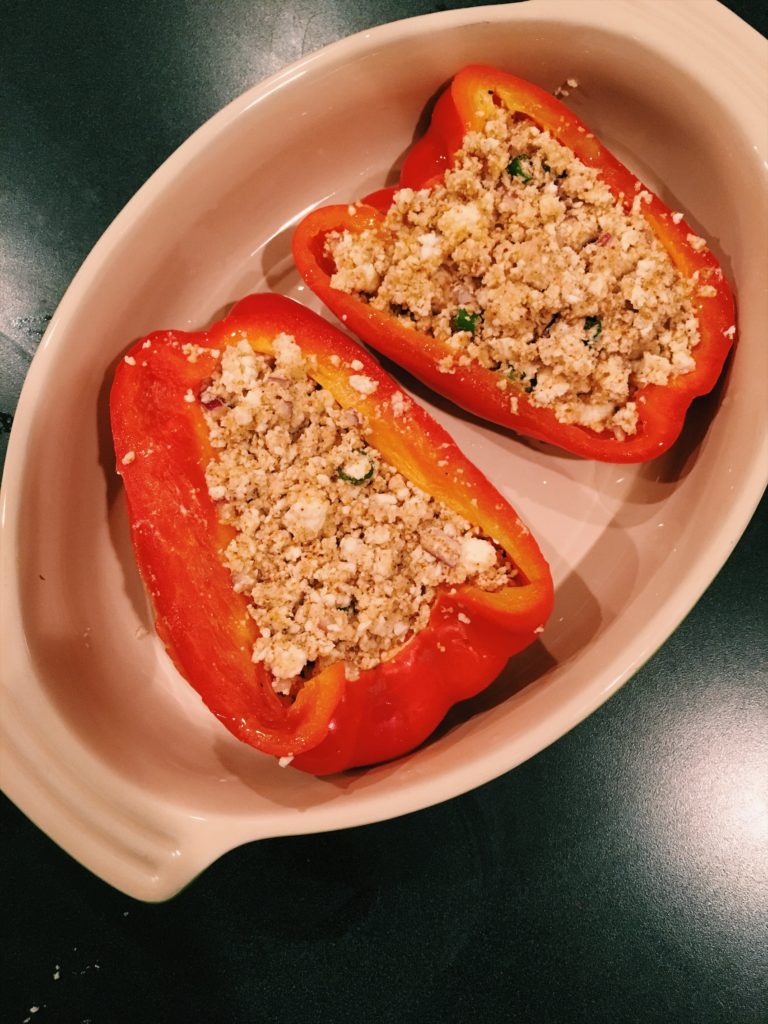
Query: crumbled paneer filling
x,y
340,555
523,261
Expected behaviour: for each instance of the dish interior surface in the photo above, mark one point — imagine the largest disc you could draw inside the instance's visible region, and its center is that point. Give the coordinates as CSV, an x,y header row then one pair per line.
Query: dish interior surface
x,y
631,548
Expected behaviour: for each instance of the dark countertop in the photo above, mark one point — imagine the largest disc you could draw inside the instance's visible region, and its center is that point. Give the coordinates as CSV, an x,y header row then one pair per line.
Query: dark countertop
x,y
619,876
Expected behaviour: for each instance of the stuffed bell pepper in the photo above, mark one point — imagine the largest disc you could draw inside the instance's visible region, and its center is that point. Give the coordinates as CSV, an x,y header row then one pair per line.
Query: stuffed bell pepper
x,y
327,569
523,272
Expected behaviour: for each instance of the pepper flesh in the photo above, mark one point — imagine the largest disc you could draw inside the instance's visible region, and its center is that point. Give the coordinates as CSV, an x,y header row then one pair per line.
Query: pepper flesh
x,y
471,98
334,723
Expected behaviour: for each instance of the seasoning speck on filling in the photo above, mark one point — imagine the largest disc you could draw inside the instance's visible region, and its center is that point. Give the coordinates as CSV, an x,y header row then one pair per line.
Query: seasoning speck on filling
x,y
340,555
523,261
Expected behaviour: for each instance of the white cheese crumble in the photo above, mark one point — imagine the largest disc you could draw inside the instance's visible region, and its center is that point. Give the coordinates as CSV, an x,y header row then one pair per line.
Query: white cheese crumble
x,y
477,554
128,458
340,555
287,351
193,352
399,404
562,292
365,385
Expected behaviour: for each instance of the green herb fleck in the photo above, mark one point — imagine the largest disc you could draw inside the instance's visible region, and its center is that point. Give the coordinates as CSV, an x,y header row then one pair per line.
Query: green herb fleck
x,y
593,325
465,321
521,167
545,167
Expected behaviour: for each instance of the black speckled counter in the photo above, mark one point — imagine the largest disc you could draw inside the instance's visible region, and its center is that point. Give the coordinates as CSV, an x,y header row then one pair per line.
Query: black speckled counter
x,y
619,876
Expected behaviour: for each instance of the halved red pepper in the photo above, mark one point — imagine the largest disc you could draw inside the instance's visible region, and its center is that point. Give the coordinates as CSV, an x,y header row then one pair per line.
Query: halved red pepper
x,y
471,98
162,448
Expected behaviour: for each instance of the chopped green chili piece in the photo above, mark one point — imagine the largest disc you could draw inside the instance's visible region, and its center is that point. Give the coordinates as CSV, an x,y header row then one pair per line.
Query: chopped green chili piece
x,y
595,325
521,167
349,478
465,321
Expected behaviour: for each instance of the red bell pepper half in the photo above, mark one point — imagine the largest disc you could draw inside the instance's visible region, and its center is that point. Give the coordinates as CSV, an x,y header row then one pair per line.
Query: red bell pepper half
x,y
162,448
471,98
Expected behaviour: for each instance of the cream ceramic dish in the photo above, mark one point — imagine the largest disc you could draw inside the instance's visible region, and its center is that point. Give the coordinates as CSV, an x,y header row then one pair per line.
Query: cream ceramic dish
x,y
105,747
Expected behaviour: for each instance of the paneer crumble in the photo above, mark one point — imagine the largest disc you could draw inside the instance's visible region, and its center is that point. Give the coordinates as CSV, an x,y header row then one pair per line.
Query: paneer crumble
x,y
340,555
523,261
